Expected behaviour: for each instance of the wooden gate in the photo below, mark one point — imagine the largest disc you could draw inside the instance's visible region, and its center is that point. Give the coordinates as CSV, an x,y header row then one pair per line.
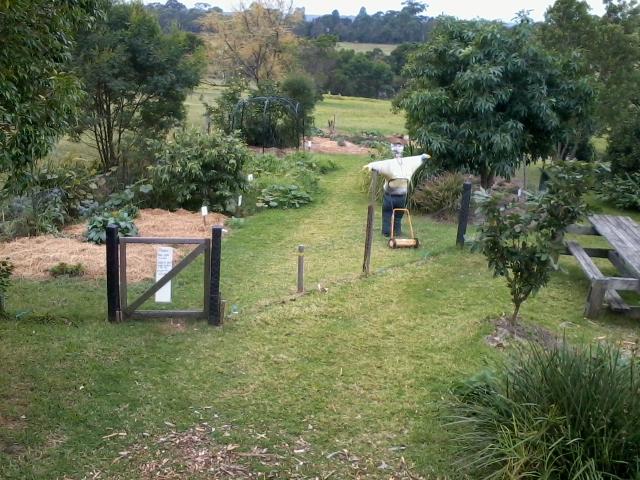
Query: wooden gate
x,y
118,306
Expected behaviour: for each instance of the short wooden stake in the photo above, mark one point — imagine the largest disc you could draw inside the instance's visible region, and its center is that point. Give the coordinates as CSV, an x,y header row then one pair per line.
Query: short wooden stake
x,y
300,268
113,275
463,217
214,282
368,240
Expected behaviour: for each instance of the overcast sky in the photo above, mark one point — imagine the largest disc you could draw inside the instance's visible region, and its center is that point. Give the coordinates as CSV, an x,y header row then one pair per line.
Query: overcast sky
x,y
489,9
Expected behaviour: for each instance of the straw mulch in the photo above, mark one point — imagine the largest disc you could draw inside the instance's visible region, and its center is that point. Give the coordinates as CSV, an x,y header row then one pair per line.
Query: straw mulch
x,y
34,256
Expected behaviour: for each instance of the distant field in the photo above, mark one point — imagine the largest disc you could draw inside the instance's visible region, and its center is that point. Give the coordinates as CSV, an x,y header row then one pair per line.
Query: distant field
x,y
367,47
354,115
204,93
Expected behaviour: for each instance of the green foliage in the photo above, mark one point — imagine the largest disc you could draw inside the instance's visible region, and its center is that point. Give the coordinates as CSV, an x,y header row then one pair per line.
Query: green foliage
x,y
359,75
520,240
283,196
610,45
485,97
623,148
622,191
301,88
272,115
137,79
221,113
63,269
196,169
97,226
51,196
560,412
38,91
6,270
286,182
439,194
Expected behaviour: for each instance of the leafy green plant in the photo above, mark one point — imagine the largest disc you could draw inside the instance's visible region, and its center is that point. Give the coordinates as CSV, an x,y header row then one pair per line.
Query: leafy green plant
x,y
562,412
97,226
64,269
440,194
520,240
283,196
623,150
198,169
6,270
623,190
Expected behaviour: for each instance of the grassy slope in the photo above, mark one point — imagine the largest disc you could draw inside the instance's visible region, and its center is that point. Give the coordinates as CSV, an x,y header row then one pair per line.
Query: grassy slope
x,y
362,367
354,115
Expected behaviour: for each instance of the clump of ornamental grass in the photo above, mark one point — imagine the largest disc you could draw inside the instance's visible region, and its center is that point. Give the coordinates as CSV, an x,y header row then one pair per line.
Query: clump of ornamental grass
x,y
559,413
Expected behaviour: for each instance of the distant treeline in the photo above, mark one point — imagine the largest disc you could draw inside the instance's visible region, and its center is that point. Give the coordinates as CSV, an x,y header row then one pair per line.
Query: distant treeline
x,y
406,25
175,13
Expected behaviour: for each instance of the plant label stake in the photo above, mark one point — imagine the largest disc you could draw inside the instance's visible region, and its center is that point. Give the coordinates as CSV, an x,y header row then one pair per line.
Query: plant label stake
x,y
164,263
205,211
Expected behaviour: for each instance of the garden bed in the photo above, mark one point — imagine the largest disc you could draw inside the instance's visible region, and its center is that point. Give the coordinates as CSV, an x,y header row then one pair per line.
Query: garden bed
x,y
34,256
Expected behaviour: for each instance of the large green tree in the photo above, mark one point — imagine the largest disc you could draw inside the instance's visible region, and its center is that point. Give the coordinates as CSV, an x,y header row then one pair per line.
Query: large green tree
x,y
38,91
485,97
137,79
610,45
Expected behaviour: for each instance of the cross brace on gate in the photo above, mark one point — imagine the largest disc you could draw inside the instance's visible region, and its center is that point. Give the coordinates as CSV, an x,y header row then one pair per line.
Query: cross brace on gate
x,y
118,307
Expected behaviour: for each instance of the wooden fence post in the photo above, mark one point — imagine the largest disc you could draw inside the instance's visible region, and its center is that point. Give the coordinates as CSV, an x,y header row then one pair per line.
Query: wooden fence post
x,y
300,268
463,217
113,275
368,241
544,179
215,314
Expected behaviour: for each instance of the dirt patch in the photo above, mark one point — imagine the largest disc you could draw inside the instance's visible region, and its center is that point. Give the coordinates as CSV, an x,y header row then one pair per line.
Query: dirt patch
x,y
34,256
318,145
195,453
326,145
506,333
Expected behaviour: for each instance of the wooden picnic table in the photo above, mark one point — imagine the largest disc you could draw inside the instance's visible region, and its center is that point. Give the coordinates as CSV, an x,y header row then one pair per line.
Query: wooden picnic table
x,y
623,234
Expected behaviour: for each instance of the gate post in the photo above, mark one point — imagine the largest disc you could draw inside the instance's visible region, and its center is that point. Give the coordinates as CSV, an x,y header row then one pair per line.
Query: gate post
x,y
214,283
113,275
463,216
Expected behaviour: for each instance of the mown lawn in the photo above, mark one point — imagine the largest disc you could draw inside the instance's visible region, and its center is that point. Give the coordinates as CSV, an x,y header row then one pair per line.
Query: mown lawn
x,y
361,367
354,115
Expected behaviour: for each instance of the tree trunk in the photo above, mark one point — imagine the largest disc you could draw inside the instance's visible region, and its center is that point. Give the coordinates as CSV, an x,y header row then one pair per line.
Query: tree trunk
x,y
487,177
514,318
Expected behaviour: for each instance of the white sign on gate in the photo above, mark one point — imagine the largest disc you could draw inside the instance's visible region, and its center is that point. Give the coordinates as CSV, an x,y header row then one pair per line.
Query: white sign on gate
x,y
164,263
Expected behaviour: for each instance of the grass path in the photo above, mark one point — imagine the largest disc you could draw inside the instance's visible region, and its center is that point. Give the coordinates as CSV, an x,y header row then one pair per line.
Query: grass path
x,y
363,367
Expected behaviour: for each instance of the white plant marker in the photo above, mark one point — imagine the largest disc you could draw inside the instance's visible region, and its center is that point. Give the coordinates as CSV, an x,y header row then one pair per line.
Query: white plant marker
x,y
240,200
164,263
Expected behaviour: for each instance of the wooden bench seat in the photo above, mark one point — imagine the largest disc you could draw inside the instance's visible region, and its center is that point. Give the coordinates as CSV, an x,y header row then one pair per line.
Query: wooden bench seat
x,y
599,283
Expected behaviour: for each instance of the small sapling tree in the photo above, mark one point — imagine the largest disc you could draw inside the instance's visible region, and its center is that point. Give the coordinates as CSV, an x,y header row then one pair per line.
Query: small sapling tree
x,y
521,240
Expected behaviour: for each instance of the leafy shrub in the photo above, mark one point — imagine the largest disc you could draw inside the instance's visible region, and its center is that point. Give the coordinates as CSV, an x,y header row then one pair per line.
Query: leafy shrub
x,y
49,198
564,412
67,269
283,196
198,169
520,240
278,127
6,270
440,194
623,148
97,226
623,191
